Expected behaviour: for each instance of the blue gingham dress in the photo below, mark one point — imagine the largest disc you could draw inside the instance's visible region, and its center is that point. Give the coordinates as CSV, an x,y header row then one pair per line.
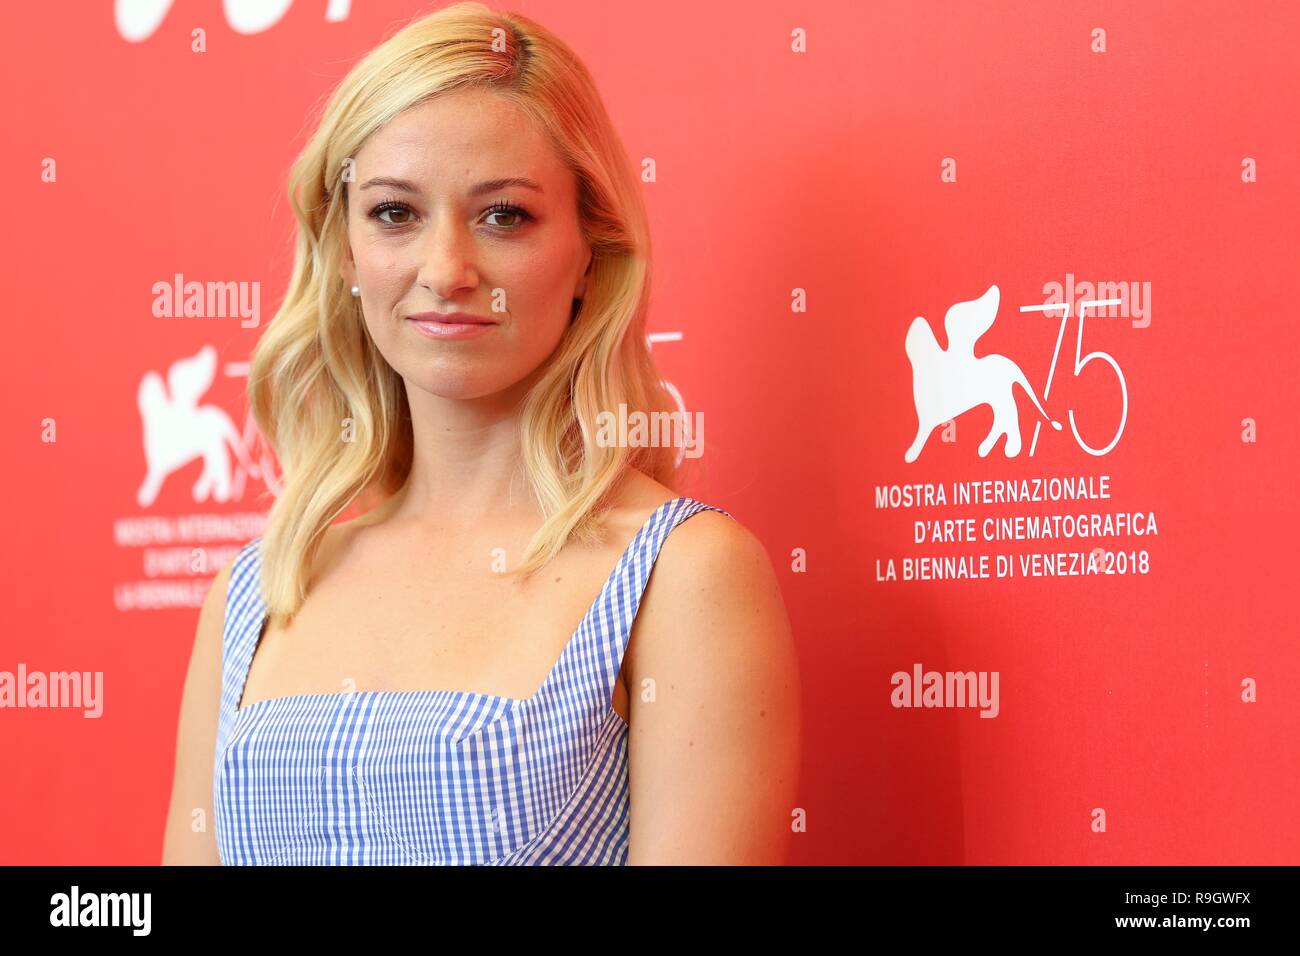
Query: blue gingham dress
x,y
433,777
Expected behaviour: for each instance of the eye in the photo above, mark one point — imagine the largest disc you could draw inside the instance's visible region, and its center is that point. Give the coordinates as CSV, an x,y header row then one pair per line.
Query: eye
x,y
504,208
390,206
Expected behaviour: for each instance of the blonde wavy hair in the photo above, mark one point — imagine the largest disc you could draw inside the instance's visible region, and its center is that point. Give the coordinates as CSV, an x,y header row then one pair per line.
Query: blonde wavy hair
x,y
315,374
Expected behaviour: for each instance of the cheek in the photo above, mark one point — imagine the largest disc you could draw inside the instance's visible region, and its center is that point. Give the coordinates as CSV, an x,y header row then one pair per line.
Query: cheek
x,y
538,283
377,263
384,283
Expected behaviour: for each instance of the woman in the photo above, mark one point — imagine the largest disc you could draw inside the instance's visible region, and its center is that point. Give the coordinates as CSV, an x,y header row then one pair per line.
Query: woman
x,y
469,295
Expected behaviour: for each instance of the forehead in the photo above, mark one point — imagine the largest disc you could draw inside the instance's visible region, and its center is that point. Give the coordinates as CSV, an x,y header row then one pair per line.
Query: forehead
x,y
460,138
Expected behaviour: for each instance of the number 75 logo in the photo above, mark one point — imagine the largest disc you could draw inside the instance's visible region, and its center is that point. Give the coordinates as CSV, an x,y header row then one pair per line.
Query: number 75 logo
x,y
948,382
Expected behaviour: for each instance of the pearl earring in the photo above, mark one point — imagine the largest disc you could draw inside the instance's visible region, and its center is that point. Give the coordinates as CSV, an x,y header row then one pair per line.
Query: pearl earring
x,y
356,290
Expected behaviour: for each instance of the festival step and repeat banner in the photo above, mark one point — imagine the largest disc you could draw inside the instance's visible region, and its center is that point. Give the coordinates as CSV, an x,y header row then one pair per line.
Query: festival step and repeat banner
x,y
988,307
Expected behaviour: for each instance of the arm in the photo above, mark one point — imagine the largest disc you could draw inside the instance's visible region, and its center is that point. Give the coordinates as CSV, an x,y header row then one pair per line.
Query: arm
x,y
714,754
196,740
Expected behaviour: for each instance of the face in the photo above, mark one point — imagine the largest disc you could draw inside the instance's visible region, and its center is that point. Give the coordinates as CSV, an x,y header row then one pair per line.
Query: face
x,y
432,227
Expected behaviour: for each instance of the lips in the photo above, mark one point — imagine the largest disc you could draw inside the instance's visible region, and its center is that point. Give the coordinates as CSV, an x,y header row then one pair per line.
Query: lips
x,y
451,325
451,318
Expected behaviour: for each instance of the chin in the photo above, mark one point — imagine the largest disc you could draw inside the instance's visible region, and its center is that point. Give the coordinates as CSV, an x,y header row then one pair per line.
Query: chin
x,y
454,387
464,384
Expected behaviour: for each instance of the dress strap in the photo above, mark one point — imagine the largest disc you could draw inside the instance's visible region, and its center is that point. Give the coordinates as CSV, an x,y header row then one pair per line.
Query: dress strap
x,y
588,670
240,630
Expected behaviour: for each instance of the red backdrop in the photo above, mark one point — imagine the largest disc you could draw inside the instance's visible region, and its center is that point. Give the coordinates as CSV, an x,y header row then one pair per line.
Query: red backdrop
x,y
826,173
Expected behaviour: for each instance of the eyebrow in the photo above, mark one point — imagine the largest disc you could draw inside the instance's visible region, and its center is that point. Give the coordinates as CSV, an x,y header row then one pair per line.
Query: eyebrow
x,y
488,186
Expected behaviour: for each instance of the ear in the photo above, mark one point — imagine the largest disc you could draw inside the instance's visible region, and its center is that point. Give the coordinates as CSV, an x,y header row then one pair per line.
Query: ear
x,y
581,290
348,268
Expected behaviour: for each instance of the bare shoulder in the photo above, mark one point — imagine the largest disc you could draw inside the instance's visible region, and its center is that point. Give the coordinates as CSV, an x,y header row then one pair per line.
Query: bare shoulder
x,y
196,735
707,544
213,610
714,601
713,592
715,701
711,569
712,559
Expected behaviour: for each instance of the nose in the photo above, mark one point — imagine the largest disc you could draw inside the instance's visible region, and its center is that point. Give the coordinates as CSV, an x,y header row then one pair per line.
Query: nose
x,y
447,258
